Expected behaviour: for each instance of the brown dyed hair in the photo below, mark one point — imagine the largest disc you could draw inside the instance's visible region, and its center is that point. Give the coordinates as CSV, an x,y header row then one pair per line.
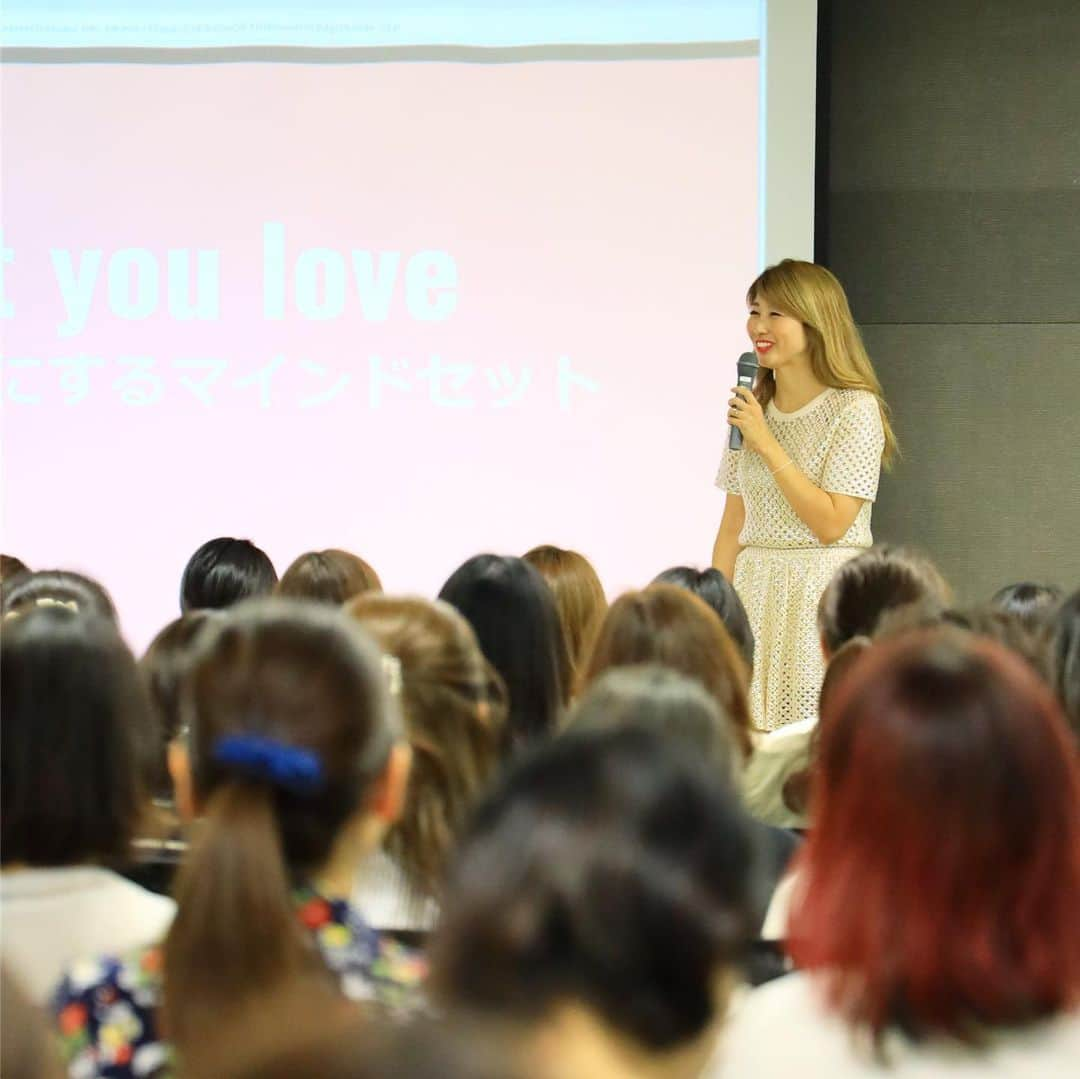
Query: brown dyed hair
x,y
838,356
309,681
670,626
579,596
454,711
331,576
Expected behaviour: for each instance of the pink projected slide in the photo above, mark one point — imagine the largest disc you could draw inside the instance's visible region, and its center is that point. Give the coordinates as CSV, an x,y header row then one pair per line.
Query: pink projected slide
x,y
415,310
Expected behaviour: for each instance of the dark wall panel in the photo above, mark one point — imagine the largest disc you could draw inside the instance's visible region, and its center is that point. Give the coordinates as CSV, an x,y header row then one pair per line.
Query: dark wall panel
x,y
958,256
989,422
954,153
953,218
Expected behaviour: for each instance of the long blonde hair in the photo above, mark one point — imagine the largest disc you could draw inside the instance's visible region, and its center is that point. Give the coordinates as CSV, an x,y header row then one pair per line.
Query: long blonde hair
x,y
838,356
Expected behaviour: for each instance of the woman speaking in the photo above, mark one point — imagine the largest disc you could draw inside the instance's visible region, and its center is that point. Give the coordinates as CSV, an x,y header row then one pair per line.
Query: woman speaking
x,y
815,434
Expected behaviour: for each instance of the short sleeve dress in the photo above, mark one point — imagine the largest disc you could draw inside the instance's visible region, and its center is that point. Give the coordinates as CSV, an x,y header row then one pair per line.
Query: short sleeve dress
x,y
837,440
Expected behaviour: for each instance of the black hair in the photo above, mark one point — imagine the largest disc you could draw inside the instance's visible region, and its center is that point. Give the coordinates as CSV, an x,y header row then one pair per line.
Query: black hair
x,y
223,571
73,708
717,591
1030,602
56,588
1065,658
608,867
512,612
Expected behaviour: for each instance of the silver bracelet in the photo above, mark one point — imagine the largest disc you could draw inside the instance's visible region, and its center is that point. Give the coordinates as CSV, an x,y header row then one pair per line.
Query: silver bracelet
x,y
789,463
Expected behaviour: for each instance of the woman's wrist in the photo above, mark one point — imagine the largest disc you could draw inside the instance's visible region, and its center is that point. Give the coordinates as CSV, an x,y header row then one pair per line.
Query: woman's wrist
x,y
774,455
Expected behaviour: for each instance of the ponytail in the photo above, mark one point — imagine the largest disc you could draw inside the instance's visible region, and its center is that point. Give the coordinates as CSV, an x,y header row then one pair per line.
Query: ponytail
x,y
236,936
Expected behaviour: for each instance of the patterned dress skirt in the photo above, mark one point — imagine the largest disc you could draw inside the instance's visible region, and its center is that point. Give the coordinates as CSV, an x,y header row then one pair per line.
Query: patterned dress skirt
x,y
780,589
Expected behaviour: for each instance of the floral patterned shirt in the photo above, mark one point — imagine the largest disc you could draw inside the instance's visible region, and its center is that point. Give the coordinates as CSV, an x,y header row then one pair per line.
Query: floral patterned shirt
x,y
105,1009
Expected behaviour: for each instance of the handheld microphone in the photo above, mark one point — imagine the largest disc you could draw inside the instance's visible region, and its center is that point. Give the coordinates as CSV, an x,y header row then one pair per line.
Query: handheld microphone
x,y
748,369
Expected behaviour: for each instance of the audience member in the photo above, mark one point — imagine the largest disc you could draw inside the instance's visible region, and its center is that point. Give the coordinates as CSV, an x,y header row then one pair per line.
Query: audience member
x,y
864,588
579,598
454,710
663,700
936,910
1065,658
56,588
160,846
679,707
602,898
670,626
1031,603
313,1043
163,667
1026,637
796,788
295,771
717,591
863,591
10,566
72,707
330,576
513,614
224,571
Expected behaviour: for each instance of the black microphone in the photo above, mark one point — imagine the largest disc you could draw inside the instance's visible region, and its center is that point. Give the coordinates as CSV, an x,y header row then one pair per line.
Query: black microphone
x,y
748,368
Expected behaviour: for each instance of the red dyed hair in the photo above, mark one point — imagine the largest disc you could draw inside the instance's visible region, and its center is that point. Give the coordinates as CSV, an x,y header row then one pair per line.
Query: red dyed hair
x,y
941,880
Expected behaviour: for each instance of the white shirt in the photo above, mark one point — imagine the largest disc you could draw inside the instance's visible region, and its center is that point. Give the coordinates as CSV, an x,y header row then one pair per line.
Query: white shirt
x,y
383,896
782,1029
51,917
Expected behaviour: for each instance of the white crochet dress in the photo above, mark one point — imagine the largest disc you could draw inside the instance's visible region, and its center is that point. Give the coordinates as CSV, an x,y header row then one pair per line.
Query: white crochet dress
x,y
837,441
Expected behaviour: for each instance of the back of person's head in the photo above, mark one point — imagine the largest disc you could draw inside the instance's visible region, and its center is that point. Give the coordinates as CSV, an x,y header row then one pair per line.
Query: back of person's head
x,y
796,789
717,591
57,588
10,566
662,700
72,708
1027,638
224,571
870,584
330,576
579,596
940,882
670,626
1065,658
1031,603
163,667
454,710
512,612
609,869
291,727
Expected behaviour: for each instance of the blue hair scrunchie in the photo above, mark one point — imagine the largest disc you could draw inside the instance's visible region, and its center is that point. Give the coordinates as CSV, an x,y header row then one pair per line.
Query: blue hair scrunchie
x,y
297,770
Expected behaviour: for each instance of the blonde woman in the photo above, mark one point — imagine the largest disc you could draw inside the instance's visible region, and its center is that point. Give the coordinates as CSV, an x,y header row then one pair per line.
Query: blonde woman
x,y
799,493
